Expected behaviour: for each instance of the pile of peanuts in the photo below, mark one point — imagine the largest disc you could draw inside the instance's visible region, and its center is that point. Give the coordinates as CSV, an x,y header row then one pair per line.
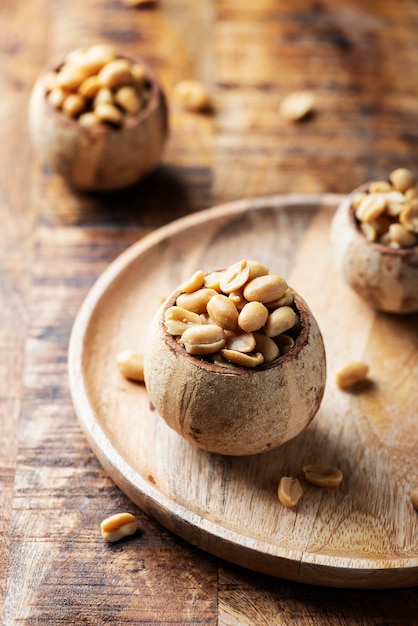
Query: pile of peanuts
x,y
96,86
387,212
241,316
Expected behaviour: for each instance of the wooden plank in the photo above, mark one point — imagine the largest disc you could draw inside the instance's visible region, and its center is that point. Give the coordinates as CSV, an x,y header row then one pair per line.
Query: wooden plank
x,y
354,57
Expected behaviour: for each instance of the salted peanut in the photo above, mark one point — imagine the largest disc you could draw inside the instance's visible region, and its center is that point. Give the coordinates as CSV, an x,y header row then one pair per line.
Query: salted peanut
x,y
70,78
352,373
97,56
109,113
138,74
402,179
399,235
240,341
368,231
297,105
409,216
213,279
265,288
89,87
257,269
238,299
104,95
56,97
380,186
118,526
128,99
285,300
279,321
285,343
323,475
289,491
131,364
89,119
268,348
203,339
73,105
241,358
371,207
411,193
395,202
194,283
223,311
192,95
115,74
177,320
235,276
196,301
358,199
252,316
414,498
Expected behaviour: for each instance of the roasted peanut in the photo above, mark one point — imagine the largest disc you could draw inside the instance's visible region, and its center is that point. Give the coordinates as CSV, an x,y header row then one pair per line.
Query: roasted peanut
x,y
196,301
93,76
240,341
177,320
297,105
131,364
402,179
388,212
203,339
128,99
223,311
192,95
235,277
351,374
194,283
323,475
242,358
279,321
73,105
118,526
245,331
252,316
285,343
265,288
268,348
289,491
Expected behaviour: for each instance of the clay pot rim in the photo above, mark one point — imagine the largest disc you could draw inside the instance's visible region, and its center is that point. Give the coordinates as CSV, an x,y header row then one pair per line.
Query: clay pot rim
x,y
354,223
301,341
132,121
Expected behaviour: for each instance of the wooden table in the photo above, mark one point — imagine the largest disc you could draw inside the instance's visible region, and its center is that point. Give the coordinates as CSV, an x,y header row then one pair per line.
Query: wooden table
x,y
360,59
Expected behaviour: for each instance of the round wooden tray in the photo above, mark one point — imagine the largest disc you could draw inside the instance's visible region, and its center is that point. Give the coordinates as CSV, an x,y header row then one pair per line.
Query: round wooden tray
x,y
362,534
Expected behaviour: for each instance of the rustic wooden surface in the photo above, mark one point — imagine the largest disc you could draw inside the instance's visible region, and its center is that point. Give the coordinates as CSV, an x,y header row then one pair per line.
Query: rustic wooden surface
x,y
360,535
360,60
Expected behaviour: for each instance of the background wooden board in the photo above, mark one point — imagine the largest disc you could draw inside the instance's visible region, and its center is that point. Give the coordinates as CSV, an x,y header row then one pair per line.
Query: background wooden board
x,y
360,59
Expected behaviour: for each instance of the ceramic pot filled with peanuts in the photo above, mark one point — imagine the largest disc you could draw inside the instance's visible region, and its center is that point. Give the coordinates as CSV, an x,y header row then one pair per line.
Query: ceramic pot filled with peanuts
x,y
375,239
235,361
99,119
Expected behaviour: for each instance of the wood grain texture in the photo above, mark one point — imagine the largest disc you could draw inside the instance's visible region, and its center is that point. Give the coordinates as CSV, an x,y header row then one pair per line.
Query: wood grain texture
x,y
360,60
361,535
